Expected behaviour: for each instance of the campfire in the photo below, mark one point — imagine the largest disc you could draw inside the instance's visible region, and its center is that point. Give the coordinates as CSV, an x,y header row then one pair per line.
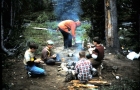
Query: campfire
x,y
66,69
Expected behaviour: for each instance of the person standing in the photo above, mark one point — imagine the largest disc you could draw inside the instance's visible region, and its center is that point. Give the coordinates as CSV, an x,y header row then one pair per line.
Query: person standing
x,y
47,54
68,28
83,68
31,62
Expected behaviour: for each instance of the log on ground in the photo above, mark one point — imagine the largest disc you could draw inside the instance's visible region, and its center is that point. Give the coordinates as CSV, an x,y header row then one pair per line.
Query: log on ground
x,y
94,82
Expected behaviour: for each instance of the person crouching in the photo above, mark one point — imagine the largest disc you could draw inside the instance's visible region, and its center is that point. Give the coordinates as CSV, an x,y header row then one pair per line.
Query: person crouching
x,y
83,68
47,54
32,63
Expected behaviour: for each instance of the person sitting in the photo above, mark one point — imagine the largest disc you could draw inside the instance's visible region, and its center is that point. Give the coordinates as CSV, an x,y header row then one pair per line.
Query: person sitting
x,y
96,55
47,54
83,68
32,63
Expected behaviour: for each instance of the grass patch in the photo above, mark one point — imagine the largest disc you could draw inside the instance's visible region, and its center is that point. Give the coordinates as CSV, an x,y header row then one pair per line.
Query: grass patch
x,y
41,36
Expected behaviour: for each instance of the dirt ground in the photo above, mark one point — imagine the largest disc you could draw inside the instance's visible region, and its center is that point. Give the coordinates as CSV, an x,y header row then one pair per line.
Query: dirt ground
x,y
14,75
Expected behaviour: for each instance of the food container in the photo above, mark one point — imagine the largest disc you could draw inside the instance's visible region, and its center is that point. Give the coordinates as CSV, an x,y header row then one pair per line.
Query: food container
x,y
70,54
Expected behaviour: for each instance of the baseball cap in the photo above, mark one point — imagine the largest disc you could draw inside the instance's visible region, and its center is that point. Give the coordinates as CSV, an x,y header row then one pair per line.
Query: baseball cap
x,y
50,42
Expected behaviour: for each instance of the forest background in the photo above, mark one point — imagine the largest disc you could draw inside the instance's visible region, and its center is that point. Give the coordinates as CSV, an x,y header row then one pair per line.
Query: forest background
x,y
20,17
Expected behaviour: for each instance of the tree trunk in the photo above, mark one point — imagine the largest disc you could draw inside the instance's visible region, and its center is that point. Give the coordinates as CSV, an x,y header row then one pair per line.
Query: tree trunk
x,y
111,33
2,34
139,27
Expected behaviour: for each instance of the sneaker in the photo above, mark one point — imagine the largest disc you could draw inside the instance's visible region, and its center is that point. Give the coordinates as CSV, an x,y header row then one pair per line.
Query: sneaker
x,y
29,74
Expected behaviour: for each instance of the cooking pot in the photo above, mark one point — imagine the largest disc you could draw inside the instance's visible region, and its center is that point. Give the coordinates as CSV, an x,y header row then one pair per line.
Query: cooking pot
x,y
70,54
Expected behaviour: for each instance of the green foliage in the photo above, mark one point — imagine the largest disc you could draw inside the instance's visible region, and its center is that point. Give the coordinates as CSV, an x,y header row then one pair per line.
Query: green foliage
x,y
94,12
36,35
128,38
87,30
42,25
40,36
42,18
52,25
87,27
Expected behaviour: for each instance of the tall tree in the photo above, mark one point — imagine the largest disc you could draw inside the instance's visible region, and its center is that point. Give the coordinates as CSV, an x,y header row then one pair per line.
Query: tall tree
x,y
2,30
93,11
128,24
111,32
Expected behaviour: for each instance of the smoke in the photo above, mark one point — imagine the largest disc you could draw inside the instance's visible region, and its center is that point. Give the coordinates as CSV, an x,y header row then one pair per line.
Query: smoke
x,y
67,9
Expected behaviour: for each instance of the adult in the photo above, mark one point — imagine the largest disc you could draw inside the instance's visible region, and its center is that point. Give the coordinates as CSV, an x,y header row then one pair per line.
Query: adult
x,y
96,54
83,68
31,62
68,28
48,55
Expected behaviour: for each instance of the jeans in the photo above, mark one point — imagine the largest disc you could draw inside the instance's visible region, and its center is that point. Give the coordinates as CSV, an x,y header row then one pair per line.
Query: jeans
x,y
57,59
35,70
53,60
67,39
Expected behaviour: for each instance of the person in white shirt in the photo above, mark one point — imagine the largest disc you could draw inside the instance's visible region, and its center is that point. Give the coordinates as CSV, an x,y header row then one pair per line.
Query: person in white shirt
x,y
31,62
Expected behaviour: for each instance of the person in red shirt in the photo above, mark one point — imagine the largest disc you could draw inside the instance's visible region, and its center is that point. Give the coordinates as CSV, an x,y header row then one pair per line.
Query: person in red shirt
x,y
96,54
68,28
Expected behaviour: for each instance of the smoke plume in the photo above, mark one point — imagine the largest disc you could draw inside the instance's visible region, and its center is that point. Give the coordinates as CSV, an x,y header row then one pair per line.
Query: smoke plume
x,y
67,9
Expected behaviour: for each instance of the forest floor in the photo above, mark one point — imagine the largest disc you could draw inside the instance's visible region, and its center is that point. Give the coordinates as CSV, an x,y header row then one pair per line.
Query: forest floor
x,y
14,75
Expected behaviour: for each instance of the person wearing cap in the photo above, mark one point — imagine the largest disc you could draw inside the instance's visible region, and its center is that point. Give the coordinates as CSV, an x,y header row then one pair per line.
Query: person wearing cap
x,y
68,28
47,54
32,63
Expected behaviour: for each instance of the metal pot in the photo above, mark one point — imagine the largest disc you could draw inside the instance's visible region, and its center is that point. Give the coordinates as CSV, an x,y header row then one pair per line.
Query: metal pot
x,y
70,54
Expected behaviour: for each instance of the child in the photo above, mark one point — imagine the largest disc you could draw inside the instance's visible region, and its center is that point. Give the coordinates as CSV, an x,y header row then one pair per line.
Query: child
x,y
31,63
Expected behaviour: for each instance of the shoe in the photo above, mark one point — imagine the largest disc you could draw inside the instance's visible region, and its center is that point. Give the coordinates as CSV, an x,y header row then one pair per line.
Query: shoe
x,y
29,74
100,77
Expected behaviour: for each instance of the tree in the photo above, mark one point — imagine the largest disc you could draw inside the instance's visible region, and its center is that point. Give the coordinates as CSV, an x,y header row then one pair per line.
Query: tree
x,y
128,24
2,31
13,13
111,32
93,11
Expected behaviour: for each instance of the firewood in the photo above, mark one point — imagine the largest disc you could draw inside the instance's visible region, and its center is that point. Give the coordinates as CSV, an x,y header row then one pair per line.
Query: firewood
x,y
79,88
77,81
95,82
71,87
84,85
98,83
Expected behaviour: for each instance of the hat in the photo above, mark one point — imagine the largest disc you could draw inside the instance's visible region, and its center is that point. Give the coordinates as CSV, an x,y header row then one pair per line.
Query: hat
x,y
50,42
